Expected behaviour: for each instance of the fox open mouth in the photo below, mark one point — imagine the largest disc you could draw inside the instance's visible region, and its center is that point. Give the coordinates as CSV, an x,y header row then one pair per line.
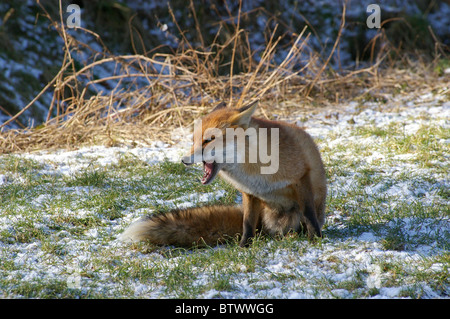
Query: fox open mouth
x,y
209,172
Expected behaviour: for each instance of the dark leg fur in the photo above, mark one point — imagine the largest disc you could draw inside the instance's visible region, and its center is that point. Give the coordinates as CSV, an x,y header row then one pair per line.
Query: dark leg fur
x,y
309,214
247,235
251,209
312,225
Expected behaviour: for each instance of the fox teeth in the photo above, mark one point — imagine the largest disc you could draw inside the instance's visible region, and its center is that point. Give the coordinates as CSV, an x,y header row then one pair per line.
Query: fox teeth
x,y
206,176
207,172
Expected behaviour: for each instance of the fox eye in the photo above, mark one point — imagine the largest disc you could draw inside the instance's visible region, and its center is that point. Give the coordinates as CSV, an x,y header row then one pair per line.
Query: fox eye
x,y
207,140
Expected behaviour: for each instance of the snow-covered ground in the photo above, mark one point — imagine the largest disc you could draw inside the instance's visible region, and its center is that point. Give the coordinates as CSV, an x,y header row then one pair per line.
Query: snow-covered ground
x,y
387,237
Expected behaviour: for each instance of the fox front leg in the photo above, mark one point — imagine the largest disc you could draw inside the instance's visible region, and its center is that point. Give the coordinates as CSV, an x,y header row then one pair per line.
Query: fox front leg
x,y
310,220
251,219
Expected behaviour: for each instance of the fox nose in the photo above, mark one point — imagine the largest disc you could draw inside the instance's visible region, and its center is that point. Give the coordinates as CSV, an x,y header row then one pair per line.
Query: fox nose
x,y
186,160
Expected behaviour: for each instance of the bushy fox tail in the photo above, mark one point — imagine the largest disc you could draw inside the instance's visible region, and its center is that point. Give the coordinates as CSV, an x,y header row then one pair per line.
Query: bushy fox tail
x,y
208,225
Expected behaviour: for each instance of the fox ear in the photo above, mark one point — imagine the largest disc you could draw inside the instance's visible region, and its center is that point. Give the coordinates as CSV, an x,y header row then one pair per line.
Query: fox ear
x,y
219,106
245,113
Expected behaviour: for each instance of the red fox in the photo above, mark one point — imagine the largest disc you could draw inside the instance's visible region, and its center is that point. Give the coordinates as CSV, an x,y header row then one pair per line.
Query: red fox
x,y
289,195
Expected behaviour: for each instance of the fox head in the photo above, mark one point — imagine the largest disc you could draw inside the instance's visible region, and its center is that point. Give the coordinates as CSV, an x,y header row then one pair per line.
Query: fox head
x,y
210,144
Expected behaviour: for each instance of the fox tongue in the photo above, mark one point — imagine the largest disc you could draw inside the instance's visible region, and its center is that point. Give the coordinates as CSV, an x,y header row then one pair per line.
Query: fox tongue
x,y
207,172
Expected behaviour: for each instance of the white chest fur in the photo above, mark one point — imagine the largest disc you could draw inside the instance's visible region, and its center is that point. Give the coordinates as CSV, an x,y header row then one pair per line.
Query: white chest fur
x,y
258,185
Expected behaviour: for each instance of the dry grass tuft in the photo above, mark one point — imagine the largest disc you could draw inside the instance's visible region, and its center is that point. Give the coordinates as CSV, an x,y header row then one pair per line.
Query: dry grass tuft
x,y
150,96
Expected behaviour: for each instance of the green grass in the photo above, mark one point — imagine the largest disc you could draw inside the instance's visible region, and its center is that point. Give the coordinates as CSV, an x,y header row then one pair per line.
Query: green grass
x,y
56,227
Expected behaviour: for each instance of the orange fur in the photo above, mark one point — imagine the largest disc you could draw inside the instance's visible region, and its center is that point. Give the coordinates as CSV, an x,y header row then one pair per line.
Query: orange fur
x,y
290,199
